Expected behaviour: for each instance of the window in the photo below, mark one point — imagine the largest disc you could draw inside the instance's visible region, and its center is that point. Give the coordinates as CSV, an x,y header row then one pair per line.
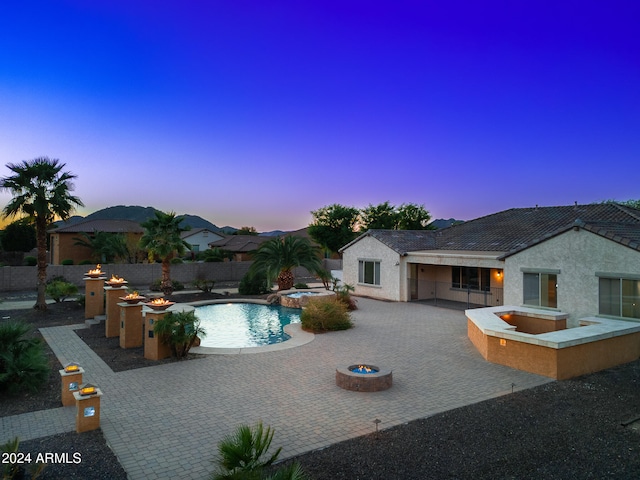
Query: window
x,y
473,278
369,272
619,297
541,289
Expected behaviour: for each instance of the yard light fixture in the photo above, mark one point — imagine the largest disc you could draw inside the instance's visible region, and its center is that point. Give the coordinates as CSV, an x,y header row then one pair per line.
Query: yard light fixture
x,y
88,389
72,367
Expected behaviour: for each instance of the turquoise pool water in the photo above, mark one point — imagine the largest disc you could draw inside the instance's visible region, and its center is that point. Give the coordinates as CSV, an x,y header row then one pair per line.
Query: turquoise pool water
x,y
241,325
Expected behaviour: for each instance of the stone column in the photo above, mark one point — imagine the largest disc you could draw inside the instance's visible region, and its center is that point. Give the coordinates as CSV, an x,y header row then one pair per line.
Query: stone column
x,y
130,325
112,323
94,296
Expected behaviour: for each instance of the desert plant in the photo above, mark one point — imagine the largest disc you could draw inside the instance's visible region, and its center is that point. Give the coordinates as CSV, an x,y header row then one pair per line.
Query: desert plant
x,y
162,239
180,330
301,285
204,285
176,286
244,455
278,257
343,294
215,254
23,363
254,284
66,261
59,290
325,314
30,261
13,469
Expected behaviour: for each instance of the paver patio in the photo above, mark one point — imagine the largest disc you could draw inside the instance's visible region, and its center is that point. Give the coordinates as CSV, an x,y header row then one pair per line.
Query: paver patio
x,y
165,421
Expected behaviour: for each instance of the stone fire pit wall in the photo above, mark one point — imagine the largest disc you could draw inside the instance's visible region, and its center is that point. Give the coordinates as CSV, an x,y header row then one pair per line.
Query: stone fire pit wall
x,y
364,382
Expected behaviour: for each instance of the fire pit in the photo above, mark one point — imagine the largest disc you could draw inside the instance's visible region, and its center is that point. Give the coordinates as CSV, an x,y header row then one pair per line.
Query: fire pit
x,y
159,304
133,298
116,281
95,273
364,378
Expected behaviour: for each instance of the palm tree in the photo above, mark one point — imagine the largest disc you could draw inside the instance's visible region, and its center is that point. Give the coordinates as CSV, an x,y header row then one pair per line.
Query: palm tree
x,y
106,246
41,192
162,239
281,255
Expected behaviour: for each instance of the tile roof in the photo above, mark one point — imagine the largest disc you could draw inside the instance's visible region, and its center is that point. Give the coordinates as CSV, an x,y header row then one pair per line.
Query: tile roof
x,y
240,243
104,225
516,229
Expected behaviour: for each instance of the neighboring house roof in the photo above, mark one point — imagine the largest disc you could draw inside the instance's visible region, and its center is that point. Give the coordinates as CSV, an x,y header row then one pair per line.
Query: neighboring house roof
x,y
195,231
240,243
90,226
514,230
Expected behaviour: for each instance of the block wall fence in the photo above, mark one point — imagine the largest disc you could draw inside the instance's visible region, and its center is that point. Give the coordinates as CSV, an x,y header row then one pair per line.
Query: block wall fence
x,y
139,275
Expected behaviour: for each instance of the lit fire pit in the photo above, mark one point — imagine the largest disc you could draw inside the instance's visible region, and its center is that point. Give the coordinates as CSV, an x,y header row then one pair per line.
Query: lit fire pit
x,y
95,273
133,298
364,378
116,281
159,304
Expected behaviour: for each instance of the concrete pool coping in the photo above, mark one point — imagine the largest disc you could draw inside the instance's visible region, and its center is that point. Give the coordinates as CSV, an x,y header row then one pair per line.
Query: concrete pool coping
x,y
590,329
298,336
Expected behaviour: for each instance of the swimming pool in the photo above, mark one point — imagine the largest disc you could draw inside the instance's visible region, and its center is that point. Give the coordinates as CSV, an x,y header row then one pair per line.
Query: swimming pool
x,y
241,325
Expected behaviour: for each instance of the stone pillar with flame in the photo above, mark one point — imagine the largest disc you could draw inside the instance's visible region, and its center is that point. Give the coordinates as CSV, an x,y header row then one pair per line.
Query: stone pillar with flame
x,y
131,320
114,289
154,346
94,292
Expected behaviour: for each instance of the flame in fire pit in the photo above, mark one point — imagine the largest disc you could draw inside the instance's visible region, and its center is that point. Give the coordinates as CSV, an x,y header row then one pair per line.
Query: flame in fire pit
x,y
96,271
363,369
117,279
133,295
160,301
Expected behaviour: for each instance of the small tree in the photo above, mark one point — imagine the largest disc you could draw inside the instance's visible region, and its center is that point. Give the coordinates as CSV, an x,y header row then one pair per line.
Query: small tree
x,y
59,290
162,238
334,226
180,330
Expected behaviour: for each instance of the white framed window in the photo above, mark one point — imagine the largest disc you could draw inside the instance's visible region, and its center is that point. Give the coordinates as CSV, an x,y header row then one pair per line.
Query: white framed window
x,y
540,289
619,297
369,272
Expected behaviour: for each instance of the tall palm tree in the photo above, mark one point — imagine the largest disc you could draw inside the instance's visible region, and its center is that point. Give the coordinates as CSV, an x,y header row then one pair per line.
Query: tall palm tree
x,y
41,192
278,257
162,240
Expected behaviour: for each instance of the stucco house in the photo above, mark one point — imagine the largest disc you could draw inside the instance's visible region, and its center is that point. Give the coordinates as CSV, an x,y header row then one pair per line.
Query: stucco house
x,y
63,238
240,245
200,238
582,259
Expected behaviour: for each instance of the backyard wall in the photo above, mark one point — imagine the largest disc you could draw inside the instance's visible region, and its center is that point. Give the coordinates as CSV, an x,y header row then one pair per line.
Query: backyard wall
x,y
139,275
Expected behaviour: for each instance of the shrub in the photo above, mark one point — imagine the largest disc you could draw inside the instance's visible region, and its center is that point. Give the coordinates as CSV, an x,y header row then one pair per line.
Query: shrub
x,y
243,455
59,290
255,284
86,262
343,293
180,331
15,469
215,255
325,314
23,363
204,285
176,261
301,285
66,261
156,285
30,261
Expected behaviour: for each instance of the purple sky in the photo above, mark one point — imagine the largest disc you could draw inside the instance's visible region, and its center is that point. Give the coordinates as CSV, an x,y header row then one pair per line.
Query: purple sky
x,y
257,112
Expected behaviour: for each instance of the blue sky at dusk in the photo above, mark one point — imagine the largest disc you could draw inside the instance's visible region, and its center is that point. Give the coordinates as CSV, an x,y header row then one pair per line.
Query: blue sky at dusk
x,y
257,112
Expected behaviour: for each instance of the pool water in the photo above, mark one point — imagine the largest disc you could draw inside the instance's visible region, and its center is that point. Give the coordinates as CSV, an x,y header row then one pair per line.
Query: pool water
x,y
241,325
302,294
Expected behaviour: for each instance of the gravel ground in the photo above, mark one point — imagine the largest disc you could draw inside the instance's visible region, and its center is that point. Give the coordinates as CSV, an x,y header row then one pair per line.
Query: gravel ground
x,y
585,428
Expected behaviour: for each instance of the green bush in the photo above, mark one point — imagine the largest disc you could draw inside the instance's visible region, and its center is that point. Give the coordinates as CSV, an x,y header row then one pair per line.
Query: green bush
x,y
343,293
244,456
11,470
325,314
30,261
254,284
60,290
204,285
180,330
176,261
301,285
86,262
23,363
66,261
155,286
